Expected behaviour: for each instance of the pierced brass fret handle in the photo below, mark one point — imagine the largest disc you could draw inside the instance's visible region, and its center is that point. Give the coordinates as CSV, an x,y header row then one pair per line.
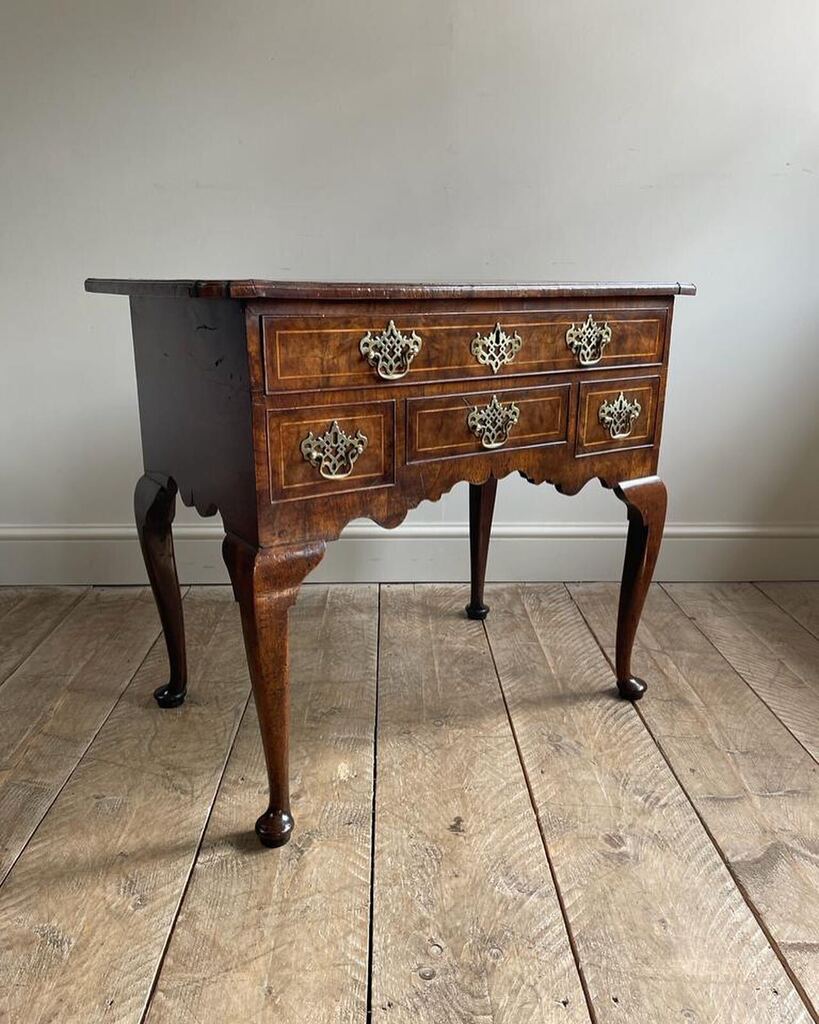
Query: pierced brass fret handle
x,y
390,352
619,416
497,348
588,340
493,423
334,452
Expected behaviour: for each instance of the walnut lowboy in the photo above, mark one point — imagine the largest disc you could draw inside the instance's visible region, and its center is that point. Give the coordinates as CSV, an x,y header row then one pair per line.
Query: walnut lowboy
x,y
292,408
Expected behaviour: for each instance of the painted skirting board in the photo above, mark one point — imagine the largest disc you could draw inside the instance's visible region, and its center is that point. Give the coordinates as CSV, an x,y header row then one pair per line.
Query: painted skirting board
x,y
109,554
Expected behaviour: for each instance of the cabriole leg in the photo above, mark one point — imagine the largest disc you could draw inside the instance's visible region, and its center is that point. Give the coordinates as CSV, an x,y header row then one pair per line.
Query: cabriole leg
x,y
154,506
265,583
646,500
481,507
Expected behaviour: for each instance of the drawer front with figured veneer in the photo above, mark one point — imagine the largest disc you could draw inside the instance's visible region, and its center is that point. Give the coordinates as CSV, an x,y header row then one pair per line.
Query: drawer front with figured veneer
x,y
312,352
327,449
617,414
472,424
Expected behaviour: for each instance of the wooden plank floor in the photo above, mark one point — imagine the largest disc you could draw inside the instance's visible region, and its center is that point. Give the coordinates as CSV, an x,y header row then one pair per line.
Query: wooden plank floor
x,y
484,833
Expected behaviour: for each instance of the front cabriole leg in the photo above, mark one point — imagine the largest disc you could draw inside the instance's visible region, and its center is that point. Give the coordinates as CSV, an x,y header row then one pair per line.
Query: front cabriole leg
x,y
266,582
646,500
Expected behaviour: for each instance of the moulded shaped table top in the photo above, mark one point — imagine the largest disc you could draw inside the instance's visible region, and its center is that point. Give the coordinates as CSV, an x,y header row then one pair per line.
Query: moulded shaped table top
x,y
390,291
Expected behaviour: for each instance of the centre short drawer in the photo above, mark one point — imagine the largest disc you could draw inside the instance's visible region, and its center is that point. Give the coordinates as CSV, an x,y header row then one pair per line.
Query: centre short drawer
x,y
311,352
477,423
328,449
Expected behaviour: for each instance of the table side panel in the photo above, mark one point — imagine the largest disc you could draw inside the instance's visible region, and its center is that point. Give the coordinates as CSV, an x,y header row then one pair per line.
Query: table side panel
x,y
194,390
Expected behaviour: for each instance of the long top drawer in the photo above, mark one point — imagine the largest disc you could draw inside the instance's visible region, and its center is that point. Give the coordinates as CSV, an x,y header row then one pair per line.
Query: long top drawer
x,y
307,352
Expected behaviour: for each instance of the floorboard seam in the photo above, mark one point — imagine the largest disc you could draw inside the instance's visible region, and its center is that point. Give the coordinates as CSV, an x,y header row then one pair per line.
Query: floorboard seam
x,y
80,597
739,675
85,750
740,887
782,608
14,603
560,902
186,884
371,920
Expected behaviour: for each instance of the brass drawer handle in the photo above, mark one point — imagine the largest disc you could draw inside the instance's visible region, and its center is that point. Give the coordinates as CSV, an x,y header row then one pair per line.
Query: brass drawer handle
x,y
493,423
496,348
334,453
390,352
619,416
588,340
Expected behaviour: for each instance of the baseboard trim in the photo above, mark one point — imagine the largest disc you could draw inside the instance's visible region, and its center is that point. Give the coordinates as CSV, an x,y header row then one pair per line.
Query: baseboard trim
x,y
108,553
422,531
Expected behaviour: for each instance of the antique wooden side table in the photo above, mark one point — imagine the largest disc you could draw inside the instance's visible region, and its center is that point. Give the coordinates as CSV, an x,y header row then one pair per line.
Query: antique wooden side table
x,y
292,408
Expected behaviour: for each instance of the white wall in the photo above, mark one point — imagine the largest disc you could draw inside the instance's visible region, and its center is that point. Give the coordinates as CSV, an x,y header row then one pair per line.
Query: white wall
x,y
433,139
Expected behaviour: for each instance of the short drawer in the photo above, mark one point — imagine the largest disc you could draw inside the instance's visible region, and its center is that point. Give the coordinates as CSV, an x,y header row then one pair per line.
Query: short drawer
x,y
325,450
316,352
616,414
476,423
